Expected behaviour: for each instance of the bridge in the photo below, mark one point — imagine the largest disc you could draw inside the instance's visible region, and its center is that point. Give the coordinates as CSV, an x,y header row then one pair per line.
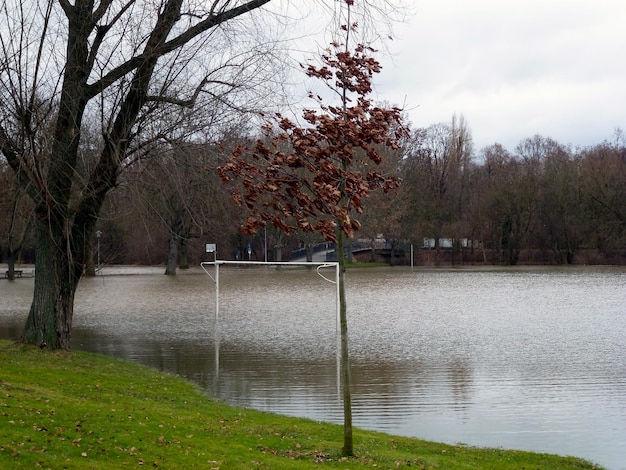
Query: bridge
x,y
326,252
321,252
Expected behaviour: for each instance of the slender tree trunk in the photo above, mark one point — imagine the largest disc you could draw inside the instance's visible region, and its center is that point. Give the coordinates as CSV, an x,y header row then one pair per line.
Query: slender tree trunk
x,y
11,262
482,245
172,255
349,254
348,446
90,265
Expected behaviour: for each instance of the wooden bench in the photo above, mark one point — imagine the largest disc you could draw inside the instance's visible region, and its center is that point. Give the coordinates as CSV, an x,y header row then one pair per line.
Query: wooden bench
x,y
17,272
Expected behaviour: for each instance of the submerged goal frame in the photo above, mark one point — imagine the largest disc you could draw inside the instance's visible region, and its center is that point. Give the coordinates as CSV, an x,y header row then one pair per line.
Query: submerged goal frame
x,y
320,265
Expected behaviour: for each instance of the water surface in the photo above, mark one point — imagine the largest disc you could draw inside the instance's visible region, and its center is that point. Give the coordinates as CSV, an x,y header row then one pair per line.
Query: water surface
x,y
524,358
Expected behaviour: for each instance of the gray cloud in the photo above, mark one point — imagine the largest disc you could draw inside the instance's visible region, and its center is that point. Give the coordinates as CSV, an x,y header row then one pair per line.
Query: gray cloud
x,y
513,69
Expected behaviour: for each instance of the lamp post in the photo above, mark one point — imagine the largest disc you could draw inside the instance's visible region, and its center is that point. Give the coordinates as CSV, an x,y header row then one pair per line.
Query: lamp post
x,y
98,233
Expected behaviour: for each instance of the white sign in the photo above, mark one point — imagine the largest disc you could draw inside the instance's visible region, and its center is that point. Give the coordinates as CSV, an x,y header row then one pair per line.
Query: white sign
x,y
210,247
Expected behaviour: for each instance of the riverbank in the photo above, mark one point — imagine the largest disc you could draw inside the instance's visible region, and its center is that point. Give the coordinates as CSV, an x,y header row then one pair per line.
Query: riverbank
x,y
75,410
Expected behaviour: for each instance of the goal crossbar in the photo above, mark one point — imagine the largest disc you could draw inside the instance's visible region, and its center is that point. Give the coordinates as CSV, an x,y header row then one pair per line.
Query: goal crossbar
x,y
320,265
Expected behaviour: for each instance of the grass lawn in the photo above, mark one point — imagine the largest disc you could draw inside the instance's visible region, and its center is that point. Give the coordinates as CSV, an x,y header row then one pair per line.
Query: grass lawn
x,y
74,410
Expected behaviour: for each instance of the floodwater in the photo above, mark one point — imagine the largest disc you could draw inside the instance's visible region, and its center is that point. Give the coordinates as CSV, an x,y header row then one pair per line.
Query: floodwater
x,y
528,358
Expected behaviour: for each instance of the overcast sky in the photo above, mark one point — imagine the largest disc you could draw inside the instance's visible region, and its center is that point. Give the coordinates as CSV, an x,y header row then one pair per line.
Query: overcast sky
x,y
513,69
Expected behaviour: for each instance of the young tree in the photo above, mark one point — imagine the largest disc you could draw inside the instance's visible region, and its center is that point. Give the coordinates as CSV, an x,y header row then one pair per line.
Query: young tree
x,y
319,179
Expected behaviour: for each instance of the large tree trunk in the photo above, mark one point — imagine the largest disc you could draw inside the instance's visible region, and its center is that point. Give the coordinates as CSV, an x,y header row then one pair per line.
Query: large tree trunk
x,y
183,252
49,321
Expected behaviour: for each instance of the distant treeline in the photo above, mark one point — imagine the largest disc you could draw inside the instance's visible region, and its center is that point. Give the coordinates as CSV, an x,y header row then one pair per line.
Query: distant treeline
x,y
541,203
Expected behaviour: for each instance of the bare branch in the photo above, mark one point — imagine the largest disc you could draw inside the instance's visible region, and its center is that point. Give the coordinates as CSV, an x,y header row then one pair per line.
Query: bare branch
x,y
102,30
171,45
190,103
104,6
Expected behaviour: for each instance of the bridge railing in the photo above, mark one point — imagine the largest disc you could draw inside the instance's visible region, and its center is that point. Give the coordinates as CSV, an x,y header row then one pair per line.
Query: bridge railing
x,y
318,248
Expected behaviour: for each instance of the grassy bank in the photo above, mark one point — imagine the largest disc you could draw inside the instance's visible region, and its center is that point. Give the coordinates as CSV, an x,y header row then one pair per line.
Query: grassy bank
x,y
72,410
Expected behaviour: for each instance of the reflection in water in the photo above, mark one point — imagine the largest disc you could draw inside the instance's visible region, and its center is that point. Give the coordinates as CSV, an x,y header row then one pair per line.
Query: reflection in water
x,y
531,359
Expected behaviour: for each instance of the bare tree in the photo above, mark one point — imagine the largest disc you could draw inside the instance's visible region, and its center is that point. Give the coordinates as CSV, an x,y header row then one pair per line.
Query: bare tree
x,y
485,180
123,64
383,211
603,185
172,186
435,172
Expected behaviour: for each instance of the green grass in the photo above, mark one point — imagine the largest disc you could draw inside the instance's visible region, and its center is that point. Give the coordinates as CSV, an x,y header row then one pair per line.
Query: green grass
x,y
73,410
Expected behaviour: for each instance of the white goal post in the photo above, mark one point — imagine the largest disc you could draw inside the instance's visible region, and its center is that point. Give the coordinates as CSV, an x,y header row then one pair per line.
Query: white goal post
x,y
216,276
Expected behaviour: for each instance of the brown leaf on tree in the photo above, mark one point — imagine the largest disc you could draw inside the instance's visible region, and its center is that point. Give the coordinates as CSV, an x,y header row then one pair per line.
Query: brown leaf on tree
x,y
309,178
